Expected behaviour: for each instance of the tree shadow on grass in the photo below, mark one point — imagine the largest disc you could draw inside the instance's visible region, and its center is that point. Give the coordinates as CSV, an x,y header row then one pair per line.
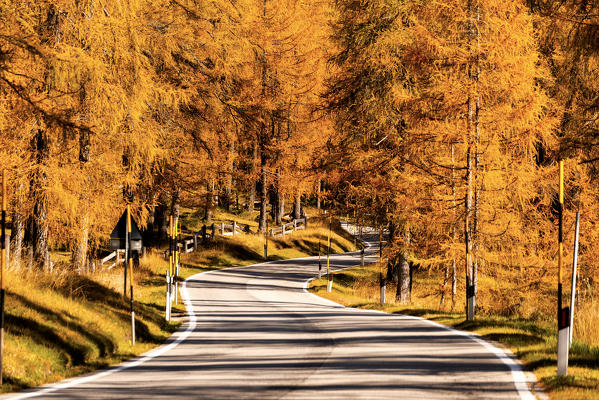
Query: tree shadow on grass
x,y
12,384
104,297
75,354
422,312
585,383
103,343
549,359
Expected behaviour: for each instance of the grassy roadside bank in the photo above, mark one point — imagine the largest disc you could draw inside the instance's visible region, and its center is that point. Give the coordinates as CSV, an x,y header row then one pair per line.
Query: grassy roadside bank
x,y
65,324
533,341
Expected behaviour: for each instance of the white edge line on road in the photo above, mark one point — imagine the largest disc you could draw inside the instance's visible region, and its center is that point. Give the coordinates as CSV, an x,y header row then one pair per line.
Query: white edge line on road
x,y
131,364
506,356
514,365
67,383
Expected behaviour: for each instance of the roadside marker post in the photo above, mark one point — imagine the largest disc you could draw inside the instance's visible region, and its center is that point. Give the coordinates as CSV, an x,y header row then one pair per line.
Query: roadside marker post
x,y
169,271
126,235
574,272
168,297
266,242
563,314
319,261
329,276
382,281
2,270
179,247
362,257
130,265
469,284
125,267
354,231
172,261
177,257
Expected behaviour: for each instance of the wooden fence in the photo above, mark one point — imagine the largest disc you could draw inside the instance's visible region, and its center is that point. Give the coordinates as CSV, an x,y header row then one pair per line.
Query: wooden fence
x,y
207,233
289,227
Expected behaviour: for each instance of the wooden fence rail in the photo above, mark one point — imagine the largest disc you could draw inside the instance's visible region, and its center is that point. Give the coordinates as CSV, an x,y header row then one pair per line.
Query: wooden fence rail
x,y
115,255
208,232
289,227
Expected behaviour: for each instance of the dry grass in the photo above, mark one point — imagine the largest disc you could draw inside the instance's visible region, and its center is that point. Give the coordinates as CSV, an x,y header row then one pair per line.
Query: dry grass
x,y
64,324
586,325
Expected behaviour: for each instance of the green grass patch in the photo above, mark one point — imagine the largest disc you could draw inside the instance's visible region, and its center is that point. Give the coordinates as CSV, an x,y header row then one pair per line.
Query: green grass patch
x,y
532,340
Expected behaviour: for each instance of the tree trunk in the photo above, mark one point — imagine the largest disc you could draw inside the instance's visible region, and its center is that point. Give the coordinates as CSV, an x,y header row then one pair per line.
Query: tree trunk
x,y
82,247
403,294
39,220
454,277
252,194
151,227
477,179
280,209
318,195
469,168
16,238
393,270
297,206
443,289
454,283
263,202
80,252
404,283
176,203
160,216
209,210
229,184
273,200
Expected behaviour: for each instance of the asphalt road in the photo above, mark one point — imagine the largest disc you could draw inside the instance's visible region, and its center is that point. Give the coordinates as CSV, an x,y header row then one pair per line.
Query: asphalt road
x,y
255,333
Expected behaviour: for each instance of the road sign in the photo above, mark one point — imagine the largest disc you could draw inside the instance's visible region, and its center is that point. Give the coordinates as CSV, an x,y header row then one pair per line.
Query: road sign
x,y
119,235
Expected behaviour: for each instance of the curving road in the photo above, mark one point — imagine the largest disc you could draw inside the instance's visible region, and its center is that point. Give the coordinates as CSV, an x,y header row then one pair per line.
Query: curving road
x,y
255,333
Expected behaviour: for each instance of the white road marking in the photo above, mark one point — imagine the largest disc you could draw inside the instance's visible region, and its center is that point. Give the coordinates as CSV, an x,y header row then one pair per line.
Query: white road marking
x,y
144,358
506,356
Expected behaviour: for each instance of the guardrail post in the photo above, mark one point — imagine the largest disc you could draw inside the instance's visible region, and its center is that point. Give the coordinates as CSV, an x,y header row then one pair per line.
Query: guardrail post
x,y
195,241
234,227
222,228
213,231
